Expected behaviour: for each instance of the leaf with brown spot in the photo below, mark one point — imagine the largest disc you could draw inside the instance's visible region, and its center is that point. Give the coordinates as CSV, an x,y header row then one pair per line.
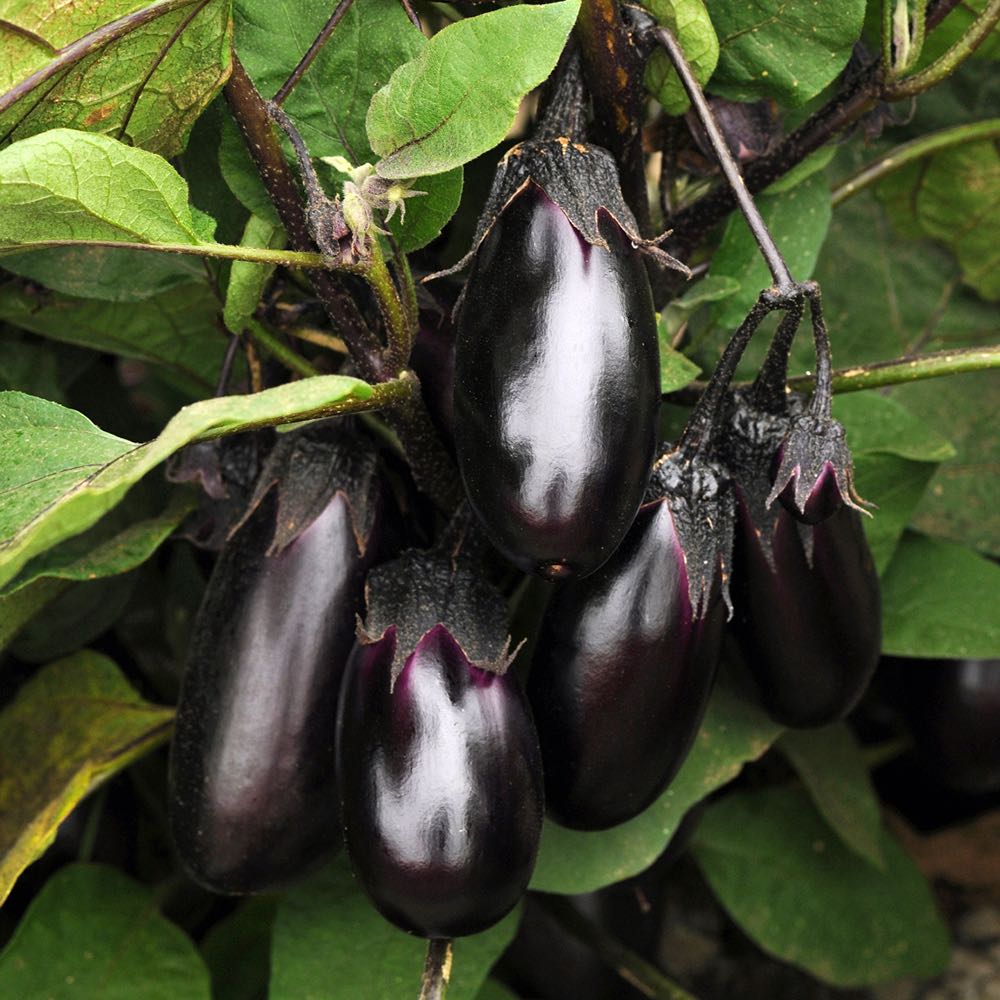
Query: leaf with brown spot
x,y
74,724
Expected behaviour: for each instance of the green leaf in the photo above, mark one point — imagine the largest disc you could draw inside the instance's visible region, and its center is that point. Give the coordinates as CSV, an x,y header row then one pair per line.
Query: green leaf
x,y
787,50
330,943
64,185
812,164
247,281
895,456
63,473
28,366
940,600
958,203
147,87
112,274
458,98
805,898
952,28
691,26
174,329
832,768
734,732
94,932
17,609
241,176
678,312
676,370
798,220
74,724
107,549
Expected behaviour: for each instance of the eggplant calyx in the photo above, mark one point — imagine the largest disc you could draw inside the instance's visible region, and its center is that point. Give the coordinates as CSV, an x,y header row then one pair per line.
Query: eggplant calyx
x,y
408,598
700,495
815,472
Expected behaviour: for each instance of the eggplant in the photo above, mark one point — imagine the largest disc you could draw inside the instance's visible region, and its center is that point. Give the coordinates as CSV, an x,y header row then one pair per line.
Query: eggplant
x,y
626,658
253,799
953,710
438,760
553,335
808,612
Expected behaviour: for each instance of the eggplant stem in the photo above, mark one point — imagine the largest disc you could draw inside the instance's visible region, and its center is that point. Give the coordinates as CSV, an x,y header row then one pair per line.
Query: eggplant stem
x,y
768,391
437,970
563,114
823,392
775,262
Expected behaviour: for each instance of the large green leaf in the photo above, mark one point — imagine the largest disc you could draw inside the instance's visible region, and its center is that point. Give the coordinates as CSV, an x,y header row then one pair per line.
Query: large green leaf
x,y
329,104
247,281
798,220
74,724
734,732
66,185
895,456
788,50
692,27
330,943
175,329
61,473
93,932
147,86
940,600
832,768
459,96
803,896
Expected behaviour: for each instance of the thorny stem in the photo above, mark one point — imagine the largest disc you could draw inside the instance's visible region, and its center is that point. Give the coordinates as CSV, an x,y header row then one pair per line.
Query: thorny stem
x,y
633,968
949,61
562,114
926,145
407,285
822,391
314,49
614,75
251,114
699,430
768,391
437,970
775,262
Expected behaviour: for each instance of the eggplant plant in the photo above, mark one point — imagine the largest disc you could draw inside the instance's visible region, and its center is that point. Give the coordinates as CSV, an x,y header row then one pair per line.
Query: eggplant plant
x,y
412,440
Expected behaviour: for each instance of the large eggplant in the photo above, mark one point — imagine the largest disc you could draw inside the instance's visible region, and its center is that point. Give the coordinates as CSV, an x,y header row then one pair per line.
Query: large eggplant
x,y
437,755
253,799
626,658
554,334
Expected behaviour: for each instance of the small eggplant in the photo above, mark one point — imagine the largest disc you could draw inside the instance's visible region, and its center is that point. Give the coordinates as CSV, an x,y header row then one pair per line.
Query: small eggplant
x,y
807,604
626,658
253,801
437,756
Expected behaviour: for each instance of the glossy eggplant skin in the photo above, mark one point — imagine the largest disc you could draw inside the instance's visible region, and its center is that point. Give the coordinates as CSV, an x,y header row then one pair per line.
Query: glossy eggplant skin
x,y
441,786
253,799
811,631
556,389
953,710
622,674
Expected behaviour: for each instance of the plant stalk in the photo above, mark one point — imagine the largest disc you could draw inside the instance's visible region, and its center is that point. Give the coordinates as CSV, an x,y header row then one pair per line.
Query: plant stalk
x,y
437,970
775,262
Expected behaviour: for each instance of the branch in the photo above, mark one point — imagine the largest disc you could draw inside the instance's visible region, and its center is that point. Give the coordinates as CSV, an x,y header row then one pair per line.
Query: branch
x,y
250,112
949,61
437,970
879,374
909,152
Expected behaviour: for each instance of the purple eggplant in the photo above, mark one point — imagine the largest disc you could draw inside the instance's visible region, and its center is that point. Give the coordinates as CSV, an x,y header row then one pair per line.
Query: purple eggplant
x,y
438,760
953,710
553,335
253,799
808,612
626,658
